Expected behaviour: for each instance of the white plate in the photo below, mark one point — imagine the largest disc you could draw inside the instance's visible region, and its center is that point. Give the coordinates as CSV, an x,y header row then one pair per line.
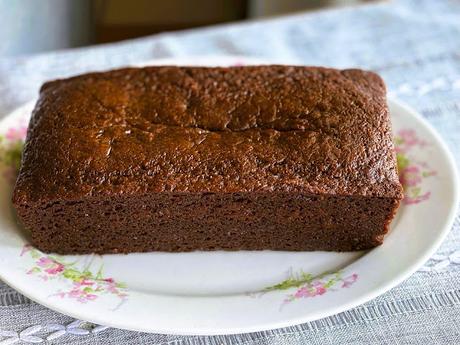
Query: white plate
x,y
222,293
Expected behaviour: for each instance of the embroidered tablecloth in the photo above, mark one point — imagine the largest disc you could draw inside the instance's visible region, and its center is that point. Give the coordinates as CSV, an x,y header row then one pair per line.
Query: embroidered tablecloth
x,y
414,45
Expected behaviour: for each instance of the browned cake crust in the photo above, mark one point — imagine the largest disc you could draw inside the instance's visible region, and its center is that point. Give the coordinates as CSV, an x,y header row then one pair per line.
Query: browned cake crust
x,y
188,158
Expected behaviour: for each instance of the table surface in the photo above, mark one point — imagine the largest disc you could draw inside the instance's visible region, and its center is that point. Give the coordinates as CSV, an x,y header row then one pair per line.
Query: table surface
x,y
414,45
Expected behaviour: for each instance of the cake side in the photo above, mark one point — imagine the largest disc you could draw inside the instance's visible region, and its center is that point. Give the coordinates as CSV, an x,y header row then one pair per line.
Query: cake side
x,y
178,222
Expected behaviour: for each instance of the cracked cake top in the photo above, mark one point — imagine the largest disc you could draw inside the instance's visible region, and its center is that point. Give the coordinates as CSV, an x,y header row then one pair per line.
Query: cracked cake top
x,y
210,130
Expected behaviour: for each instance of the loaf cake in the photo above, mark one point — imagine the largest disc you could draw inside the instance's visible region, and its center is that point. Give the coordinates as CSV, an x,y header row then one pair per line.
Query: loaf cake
x,y
189,158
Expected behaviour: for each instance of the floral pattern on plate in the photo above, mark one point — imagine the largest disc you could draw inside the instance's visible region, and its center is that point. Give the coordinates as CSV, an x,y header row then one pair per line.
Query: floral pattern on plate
x,y
411,171
82,284
11,144
307,285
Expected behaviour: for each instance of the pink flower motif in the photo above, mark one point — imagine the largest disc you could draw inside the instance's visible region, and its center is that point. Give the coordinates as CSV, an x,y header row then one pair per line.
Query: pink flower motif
x,y
82,296
408,136
349,281
409,139
44,261
109,280
311,290
16,133
410,176
90,297
112,289
58,268
303,292
319,288
415,200
75,293
51,267
78,294
412,173
85,282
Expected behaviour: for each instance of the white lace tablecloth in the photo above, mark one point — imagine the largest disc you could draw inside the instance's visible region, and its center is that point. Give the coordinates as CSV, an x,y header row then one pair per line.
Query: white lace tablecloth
x,y
414,45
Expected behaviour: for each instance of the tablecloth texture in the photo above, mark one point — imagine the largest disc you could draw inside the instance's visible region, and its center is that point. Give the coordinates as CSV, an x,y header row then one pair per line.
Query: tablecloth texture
x,y
414,45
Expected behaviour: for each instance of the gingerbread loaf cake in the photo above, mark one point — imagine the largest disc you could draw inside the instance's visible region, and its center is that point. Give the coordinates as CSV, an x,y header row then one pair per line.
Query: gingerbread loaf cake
x,y
188,158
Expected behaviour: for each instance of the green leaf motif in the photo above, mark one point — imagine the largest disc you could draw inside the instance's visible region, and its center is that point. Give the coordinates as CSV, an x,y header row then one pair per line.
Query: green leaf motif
x,y
14,154
296,281
330,283
72,274
121,285
34,254
428,173
87,274
99,273
415,191
10,154
398,141
402,160
284,285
